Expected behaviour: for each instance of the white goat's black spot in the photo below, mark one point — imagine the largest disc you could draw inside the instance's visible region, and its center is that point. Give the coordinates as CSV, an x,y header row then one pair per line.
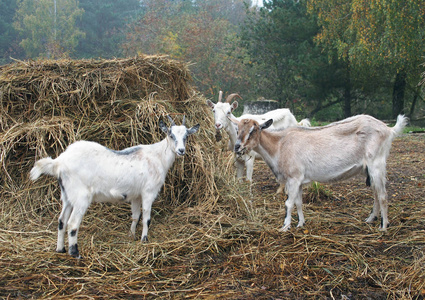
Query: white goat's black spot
x,y
127,151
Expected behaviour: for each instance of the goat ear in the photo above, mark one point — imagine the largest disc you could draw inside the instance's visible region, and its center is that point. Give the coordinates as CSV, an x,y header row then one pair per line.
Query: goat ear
x,y
163,127
234,121
210,104
193,129
266,124
234,105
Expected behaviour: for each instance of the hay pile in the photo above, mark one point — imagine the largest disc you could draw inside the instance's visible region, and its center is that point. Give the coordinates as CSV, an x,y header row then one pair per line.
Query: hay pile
x,y
46,105
210,237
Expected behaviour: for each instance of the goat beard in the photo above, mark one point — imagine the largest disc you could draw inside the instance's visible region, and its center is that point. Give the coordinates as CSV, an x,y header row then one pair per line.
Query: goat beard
x,y
218,136
241,153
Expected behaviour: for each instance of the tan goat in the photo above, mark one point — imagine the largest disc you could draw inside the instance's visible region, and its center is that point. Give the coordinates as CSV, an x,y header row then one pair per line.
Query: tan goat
x,y
299,155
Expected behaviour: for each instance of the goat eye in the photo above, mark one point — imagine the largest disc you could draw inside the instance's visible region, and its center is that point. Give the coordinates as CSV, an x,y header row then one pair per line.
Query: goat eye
x,y
250,134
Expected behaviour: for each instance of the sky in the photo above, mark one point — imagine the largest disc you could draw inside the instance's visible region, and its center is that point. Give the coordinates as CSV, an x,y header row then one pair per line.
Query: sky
x,y
257,2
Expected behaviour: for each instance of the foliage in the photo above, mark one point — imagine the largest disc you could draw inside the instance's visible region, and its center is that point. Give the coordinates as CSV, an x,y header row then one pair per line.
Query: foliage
x,y
104,23
201,32
8,45
289,66
48,27
374,36
321,58
372,33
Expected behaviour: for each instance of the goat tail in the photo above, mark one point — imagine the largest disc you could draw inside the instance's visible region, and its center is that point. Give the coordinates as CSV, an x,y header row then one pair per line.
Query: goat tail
x,y
43,166
305,122
399,126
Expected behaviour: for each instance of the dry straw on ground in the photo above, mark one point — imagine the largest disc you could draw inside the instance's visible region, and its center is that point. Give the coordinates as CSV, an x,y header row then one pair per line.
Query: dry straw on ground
x,y
211,238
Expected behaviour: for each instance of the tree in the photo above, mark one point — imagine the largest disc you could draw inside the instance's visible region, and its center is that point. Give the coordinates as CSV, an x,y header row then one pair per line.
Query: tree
x,y
200,32
375,35
289,67
48,27
8,43
104,23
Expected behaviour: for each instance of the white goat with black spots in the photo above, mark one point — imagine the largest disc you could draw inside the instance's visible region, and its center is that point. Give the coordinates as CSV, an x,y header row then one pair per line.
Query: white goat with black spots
x,y
88,171
299,155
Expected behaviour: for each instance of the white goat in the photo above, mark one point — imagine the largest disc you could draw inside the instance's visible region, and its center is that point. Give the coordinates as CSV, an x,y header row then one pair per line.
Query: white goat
x,y
88,171
299,155
282,118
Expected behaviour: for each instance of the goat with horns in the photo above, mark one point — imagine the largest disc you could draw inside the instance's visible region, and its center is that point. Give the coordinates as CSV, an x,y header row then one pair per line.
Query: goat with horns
x,y
87,171
223,111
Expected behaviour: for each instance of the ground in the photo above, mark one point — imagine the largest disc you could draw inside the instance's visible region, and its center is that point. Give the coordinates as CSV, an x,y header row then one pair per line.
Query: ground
x,y
235,252
336,245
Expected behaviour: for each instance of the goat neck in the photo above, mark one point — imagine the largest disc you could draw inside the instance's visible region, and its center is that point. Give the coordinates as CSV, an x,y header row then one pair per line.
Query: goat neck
x,y
231,131
165,152
267,147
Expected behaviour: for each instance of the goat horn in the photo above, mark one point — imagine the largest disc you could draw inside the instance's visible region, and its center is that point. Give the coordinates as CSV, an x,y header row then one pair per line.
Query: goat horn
x,y
231,96
171,120
184,120
220,96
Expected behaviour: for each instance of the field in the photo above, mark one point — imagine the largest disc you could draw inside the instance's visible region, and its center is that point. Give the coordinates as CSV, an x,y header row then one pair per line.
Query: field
x,y
195,254
211,237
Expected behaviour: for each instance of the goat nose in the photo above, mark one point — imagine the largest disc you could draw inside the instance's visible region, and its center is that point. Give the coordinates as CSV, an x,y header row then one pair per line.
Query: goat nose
x,y
180,151
237,147
217,125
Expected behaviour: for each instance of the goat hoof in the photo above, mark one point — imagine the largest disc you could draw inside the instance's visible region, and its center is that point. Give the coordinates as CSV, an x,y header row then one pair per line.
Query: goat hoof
x,y
384,229
63,250
132,235
73,251
371,219
145,239
285,228
76,255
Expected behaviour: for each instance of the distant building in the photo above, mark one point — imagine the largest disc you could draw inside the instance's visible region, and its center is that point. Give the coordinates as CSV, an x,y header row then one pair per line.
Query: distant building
x,y
260,106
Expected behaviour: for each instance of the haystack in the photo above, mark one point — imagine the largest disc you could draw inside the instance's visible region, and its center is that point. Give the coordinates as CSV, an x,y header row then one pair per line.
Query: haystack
x,y
46,105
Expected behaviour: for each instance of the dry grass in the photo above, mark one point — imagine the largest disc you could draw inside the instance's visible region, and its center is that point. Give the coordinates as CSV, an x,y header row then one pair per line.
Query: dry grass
x,y
211,238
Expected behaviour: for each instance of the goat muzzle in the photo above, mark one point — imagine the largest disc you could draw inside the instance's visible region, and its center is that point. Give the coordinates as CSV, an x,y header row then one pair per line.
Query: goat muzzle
x,y
239,150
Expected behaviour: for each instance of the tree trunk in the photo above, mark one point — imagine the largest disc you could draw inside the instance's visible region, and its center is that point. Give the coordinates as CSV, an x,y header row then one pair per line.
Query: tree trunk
x,y
414,101
347,101
319,107
347,95
398,93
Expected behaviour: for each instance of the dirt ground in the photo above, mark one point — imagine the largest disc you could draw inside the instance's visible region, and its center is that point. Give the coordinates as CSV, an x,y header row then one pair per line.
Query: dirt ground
x,y
194,254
